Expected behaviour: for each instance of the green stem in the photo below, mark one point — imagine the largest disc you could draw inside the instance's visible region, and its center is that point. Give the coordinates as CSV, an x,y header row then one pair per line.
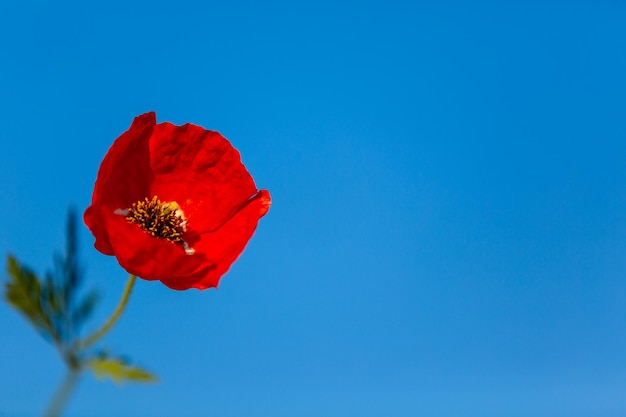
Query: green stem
x,y
63,394
114,317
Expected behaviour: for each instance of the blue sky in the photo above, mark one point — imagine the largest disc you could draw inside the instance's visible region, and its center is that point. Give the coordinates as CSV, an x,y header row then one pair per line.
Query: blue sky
x,y
449,222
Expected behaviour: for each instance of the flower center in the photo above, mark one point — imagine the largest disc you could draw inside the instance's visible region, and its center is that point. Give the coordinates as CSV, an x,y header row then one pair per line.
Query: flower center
x,y
160,219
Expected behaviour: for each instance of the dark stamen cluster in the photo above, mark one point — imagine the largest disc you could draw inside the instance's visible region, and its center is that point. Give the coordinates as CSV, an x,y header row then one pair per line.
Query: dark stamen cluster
x,y
157,218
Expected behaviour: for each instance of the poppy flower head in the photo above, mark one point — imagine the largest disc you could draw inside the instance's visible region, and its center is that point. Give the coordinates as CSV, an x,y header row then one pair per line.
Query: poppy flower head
x,y
174,203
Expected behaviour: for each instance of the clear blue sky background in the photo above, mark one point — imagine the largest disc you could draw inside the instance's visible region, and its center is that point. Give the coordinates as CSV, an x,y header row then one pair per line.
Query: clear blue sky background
x,y
448,234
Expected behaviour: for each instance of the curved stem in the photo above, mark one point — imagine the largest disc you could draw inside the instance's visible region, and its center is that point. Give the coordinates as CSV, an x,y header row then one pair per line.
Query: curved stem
x,y
63,394
88,341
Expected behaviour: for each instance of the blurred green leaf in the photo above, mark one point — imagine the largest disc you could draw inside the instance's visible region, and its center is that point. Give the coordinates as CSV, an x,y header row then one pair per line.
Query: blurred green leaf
x,y
52,304
23,292
118,370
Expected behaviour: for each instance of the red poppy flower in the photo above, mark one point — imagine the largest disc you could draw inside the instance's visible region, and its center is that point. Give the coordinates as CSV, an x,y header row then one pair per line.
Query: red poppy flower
x,y
174,204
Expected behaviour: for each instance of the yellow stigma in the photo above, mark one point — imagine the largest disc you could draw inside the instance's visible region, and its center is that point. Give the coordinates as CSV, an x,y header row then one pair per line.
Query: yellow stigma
x,y
160,219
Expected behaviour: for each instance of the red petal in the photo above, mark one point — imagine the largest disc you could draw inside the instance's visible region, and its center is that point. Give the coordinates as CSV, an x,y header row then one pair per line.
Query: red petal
x,y
201,171
124,177
151,258
223,246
